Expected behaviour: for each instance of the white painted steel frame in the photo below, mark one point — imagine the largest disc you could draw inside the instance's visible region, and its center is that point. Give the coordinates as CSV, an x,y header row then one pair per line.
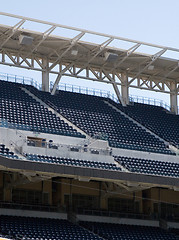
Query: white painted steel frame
x,y
88,70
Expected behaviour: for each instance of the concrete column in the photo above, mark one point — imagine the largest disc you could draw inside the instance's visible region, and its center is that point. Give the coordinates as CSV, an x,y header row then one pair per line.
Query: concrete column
x,y
173,98
125,89
45,76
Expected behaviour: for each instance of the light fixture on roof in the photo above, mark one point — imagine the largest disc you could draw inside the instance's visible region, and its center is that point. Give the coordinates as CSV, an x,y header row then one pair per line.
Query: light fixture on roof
x,y
110,57
25,40
74,51
151,67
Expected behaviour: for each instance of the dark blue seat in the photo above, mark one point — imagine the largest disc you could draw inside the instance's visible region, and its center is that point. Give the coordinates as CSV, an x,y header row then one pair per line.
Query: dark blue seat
x,y
73,162
21,111
42,228
96,118
149,166
127,232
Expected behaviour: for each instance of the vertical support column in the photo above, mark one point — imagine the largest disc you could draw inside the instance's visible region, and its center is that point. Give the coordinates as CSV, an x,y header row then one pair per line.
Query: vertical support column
x,y
173,97
45,75
70,197
125,89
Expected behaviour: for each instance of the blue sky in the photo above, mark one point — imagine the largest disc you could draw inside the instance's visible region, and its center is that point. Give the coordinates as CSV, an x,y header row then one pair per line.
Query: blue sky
x,y
154,21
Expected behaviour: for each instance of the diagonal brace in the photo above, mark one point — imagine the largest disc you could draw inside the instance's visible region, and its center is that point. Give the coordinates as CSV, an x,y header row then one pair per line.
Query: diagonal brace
x,y
154,58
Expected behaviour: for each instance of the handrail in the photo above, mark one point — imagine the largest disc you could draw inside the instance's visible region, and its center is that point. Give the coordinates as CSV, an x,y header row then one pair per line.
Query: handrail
x,y
149,101
84,90
20,79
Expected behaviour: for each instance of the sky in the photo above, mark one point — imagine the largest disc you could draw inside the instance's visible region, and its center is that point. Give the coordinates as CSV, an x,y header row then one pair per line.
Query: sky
x,y
153,21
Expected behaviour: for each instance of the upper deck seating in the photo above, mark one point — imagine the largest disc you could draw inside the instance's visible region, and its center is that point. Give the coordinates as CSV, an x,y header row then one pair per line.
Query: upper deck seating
x,y
21,111
157,119
94,116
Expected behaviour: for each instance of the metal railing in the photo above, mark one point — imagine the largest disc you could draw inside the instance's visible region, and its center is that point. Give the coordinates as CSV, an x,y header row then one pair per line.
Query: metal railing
x,y
84,90
149,101
20,79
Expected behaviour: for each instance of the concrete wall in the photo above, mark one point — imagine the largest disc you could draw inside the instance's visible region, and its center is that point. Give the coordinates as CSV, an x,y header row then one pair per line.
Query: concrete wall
x,y
139,222
27,213
10,136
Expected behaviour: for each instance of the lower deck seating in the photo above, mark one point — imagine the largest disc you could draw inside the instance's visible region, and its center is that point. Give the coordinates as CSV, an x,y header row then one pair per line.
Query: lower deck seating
x,y
149,166
175,231
29,228
128,232
73,162
6,152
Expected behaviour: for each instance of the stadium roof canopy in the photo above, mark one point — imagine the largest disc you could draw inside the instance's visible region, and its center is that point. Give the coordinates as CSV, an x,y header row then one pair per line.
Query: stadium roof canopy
x,y
67,51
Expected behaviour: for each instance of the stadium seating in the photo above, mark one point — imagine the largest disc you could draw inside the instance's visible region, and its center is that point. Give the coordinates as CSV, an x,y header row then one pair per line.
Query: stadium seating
x,y
149,166
175,231
27,228
157,119
19,110
72,162
94,116
128,232
6,152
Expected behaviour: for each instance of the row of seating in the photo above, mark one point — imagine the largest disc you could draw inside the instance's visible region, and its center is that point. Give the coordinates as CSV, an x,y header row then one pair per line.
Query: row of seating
x,y
155,118
19,110
127,232
94,116
29,228
149,166
6,152
72,162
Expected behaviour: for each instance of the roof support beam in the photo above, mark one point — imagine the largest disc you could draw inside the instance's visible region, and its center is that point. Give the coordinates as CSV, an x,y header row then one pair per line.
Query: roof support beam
x,y
125,89
173,70
45,35
116,88
72,44
86,31
45,76
129,52
153,59
34,62
173,97
13,31
59,77
99,50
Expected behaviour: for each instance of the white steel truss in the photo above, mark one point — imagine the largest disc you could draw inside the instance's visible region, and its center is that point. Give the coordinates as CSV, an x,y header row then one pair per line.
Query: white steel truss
x,y
144,81
51,54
